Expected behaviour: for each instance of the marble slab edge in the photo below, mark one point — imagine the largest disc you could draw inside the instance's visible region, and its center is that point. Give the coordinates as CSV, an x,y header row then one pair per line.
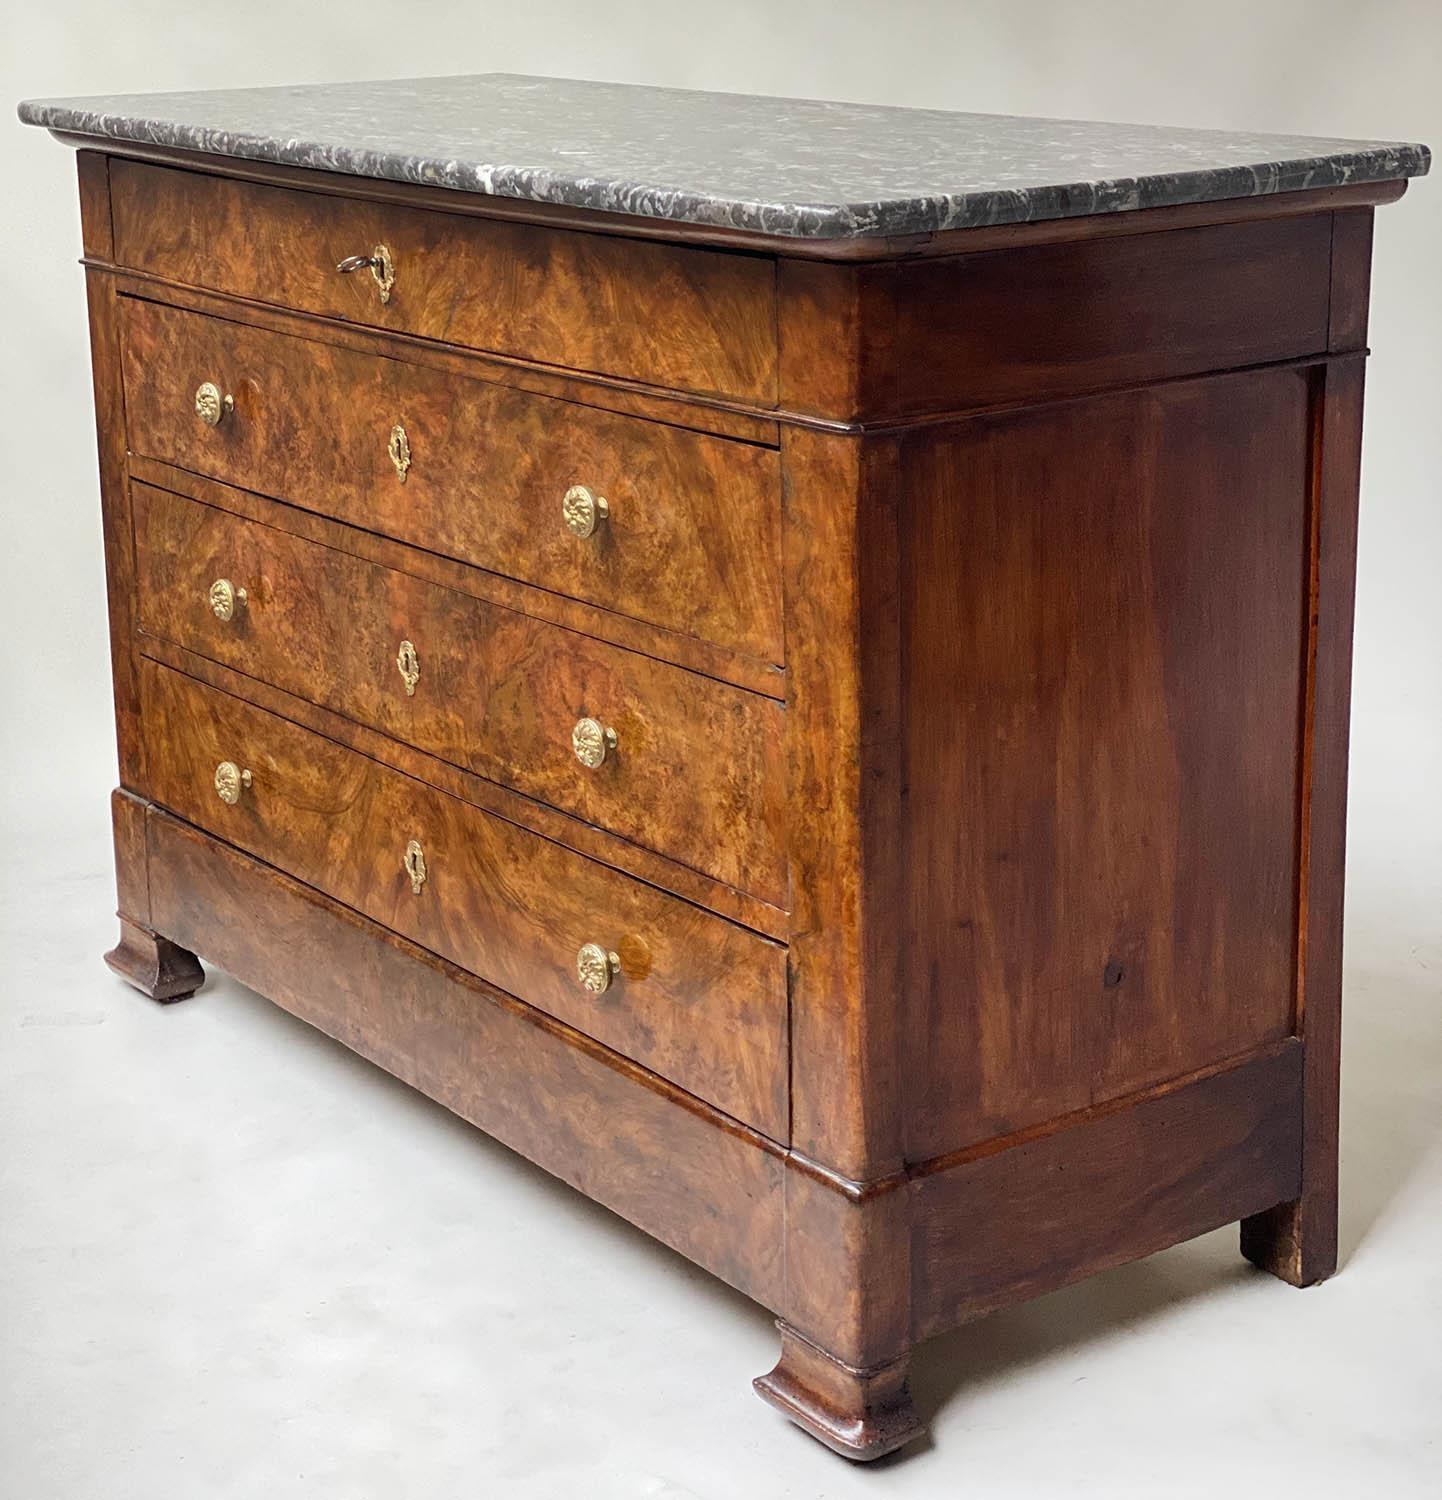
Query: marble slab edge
x,y
820,221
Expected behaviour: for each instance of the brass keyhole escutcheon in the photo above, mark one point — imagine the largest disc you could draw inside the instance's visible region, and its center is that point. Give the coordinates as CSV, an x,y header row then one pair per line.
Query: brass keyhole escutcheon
x,y
409,666
590,739
381,267
399,449
596,967
230,781
415,866
225,599
583,511
211,405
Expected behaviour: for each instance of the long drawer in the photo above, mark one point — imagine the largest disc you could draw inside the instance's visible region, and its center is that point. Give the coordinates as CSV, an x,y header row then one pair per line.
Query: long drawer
x,y
695,998
680,763
501,478
669,315
715,1195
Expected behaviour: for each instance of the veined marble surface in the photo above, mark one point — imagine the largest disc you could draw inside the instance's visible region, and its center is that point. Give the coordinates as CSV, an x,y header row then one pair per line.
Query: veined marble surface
x,y
794,167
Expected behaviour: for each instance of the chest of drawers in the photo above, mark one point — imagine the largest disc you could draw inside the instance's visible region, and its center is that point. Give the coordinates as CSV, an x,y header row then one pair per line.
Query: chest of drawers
x,y
819,716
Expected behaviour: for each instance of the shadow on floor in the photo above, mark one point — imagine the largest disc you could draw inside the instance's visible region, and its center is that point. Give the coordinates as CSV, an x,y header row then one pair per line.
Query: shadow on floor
x,y
1391,1111
1062,1324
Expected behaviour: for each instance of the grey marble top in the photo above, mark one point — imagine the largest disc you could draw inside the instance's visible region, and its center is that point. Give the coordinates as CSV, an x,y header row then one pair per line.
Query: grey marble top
x,y
793,167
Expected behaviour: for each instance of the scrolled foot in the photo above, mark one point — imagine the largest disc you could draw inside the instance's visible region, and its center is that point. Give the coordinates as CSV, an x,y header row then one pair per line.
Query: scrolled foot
x,y
155,965
860,1414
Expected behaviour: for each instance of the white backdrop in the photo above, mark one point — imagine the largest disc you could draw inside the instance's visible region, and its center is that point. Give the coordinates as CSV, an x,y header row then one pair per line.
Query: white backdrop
x,y
1338,68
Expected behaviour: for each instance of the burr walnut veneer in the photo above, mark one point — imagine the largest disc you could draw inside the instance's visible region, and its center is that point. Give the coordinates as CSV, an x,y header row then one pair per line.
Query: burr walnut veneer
x,y
836,748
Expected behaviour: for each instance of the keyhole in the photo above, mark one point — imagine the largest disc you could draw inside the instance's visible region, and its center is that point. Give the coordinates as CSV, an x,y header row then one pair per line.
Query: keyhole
x,y
409,664
415,866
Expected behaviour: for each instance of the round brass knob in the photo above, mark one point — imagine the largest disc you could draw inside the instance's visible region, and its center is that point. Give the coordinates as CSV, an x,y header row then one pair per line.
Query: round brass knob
x,y
225,598
210,404
230,780
583,511
591,740
596,968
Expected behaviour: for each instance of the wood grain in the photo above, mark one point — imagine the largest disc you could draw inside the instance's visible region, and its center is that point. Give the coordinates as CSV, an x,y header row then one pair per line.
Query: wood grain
x,y
1103,614
837,340
525,812
709,414
114,498
92,170
863,1414
1351,281
154,965
698,320
843,757
132,887
698,1000
1298,1240
1052,320
1019,1219
681,1172
697,772
589,620
691,543
847,1291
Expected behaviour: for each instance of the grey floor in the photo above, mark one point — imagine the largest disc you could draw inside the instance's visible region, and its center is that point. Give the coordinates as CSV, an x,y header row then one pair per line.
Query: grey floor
x,y
236,1261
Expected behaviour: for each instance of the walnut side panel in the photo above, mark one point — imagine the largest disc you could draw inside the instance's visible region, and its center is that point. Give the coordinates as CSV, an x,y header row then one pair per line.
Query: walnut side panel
x,y
1024,1217
686,1175
1007,326
1103,618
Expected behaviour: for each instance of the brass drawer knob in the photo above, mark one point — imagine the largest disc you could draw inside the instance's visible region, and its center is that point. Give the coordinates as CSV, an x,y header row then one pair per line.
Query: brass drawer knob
x,y
210,405
415,866
583,511
409,666
230,781
225,599
399,449
596,968
381,266
590,739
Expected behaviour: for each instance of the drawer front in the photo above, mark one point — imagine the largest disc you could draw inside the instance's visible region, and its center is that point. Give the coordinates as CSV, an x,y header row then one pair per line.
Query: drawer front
x,y
687,319
690,541
697,999
697,769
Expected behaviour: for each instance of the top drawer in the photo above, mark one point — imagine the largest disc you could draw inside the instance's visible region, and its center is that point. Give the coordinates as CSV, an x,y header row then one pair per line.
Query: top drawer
x,y
687,319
